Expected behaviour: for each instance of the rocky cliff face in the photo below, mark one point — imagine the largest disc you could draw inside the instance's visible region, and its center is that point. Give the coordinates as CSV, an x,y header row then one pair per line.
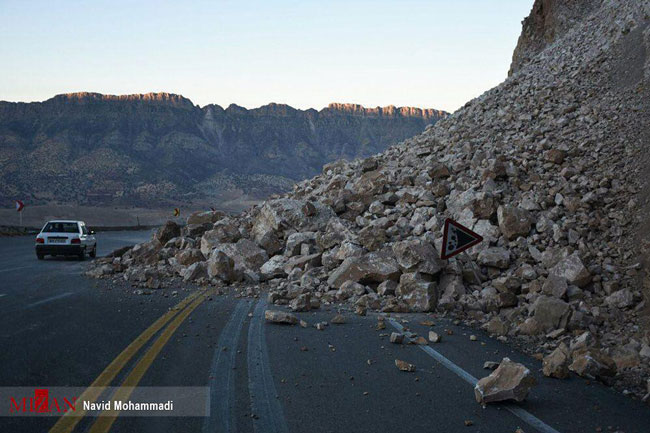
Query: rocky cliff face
x,y
549,20
550,167
160,148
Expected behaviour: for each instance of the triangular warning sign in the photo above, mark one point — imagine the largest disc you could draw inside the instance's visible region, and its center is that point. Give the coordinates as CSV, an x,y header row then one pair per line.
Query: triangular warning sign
x,y
457,238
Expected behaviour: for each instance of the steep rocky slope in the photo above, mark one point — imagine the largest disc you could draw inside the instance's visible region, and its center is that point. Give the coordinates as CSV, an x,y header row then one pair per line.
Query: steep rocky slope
x,y
548,22
550,167
160,149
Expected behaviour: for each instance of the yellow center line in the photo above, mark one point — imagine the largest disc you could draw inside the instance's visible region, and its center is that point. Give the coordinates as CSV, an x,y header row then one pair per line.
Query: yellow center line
x,y
70,419
108,417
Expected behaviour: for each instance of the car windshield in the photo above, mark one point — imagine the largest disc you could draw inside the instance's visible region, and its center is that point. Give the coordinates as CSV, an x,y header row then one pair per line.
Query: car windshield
x,y
61,228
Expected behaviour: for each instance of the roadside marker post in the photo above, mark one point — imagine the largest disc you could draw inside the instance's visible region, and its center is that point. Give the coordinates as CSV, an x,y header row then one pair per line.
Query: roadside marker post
x,y
19,208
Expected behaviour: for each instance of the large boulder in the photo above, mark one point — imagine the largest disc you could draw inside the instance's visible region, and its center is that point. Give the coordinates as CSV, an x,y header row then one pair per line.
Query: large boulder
x,y
374,267
418,291
336,232
387,288
510,381
195,272
299,243
350,289
224,231
246,255
555,286
620,299
368,185
302,262
416,255
583,342
274,268
190,256
282,214
513,221
496,326
269,240
195,230
301,303
551,313
495,257
146,252
572,269
168,231
203,217
372,238
222,267
593,364
451,286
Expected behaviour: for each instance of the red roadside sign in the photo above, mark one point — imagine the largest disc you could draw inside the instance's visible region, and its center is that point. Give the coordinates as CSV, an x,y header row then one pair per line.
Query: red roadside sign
x,y
19,206
457,238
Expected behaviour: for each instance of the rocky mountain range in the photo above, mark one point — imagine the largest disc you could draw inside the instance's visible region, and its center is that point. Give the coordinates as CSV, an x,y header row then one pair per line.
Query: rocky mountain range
x,y
551,168
160,149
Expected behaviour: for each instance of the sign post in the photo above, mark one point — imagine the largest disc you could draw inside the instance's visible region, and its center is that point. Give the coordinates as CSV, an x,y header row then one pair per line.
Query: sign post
x,y
19,208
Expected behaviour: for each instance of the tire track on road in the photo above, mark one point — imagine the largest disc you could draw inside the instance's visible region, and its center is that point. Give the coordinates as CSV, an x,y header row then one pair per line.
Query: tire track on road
x,y
222,385
265,404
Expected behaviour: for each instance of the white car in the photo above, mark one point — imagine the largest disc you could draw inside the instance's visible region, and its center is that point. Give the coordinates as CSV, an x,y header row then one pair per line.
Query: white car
x,y
66,238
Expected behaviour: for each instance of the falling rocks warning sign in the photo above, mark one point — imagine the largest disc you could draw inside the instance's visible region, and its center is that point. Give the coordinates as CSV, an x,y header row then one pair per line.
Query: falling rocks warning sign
x,y
457,238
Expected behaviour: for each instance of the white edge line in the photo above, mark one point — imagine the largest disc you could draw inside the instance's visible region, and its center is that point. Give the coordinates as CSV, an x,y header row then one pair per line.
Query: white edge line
x,y
519,412
46,300
15,269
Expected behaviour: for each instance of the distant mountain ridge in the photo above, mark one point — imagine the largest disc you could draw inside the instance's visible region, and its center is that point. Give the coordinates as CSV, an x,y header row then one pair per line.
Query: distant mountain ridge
x,y
160,148
271,108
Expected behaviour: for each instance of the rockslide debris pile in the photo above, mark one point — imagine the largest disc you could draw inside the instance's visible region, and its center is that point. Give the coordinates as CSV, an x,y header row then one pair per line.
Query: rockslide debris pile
x,y
547,167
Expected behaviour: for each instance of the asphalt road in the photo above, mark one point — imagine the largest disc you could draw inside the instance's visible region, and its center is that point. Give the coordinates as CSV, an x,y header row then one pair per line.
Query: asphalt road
x,y
58,328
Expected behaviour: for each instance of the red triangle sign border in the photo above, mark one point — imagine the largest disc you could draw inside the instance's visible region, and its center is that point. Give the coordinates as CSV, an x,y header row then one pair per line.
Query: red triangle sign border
x,y
449,222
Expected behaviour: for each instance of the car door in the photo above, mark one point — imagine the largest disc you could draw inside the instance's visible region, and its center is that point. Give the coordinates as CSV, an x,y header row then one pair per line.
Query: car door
x,y
83,235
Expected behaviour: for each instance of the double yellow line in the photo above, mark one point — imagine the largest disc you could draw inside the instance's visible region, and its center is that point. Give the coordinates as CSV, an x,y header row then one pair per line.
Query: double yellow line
x,y
178,313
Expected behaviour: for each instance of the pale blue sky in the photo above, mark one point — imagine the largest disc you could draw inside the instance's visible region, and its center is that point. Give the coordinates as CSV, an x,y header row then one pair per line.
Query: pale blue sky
x,y
434,54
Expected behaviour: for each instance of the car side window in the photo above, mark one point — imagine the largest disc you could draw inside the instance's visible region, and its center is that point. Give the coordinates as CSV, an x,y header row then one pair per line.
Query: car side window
x,y
84,230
